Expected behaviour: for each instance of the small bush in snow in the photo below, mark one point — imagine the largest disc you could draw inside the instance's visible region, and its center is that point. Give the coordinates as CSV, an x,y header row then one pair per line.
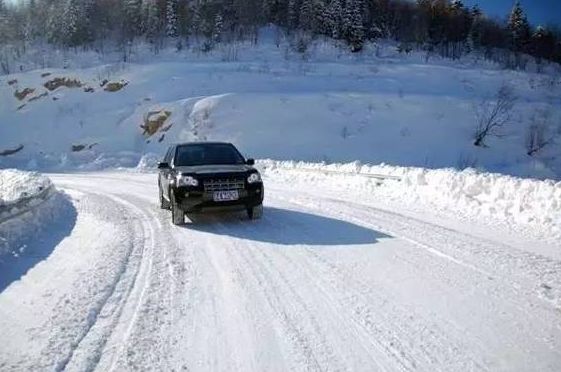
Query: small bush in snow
x,y
493,114
538,134
207,46
466,161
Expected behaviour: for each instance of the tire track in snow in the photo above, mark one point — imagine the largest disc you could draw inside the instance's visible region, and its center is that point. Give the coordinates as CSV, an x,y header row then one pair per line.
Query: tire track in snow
x,y
390,335
379,358
418,341
244,304
491,259
114,302
69,330
302,349
133,298
145,339
512,292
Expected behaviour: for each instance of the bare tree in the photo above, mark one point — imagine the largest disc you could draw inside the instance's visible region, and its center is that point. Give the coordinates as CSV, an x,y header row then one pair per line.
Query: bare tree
x,y
493,114
538,134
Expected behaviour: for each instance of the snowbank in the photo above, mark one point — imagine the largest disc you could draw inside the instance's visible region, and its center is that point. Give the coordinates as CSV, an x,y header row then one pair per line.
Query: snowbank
x,y
470,194
16,185
27,201
148,162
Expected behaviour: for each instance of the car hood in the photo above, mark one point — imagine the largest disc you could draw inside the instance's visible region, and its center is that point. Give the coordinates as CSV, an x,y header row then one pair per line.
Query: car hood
x,y
214,169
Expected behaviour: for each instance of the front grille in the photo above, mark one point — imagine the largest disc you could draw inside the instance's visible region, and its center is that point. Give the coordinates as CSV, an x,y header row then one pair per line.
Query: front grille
x,y
224,184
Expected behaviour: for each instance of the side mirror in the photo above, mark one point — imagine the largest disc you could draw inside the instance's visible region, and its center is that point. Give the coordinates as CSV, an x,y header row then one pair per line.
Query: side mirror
x,y
250,162
163,165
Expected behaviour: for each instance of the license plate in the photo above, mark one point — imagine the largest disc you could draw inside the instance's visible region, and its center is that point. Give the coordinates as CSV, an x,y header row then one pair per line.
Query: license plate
x,y
220,196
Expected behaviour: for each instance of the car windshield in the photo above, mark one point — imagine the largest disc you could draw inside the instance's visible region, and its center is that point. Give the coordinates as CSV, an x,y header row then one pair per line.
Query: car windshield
x,y
207,154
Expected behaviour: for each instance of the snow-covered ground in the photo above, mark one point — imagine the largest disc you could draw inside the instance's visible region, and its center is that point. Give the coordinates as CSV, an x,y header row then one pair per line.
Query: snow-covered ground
x,y
325,281
404,264
377,107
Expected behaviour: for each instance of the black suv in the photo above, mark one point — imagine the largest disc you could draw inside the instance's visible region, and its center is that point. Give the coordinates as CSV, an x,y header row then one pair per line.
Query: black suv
x,y
207,176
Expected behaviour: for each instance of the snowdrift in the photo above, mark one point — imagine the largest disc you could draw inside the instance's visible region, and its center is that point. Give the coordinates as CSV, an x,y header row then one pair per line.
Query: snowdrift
x,y
27,202
469,194
17,186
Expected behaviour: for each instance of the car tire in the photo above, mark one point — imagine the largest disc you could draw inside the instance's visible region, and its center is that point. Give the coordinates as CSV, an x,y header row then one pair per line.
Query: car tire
x,y
256,212
177,215
164,204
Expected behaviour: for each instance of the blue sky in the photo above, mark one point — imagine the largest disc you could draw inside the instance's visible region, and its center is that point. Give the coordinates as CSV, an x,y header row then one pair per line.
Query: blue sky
x,y
538,11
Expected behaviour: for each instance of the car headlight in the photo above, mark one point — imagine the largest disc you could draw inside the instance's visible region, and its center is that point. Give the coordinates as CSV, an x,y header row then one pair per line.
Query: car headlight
x,y
186,181
254,177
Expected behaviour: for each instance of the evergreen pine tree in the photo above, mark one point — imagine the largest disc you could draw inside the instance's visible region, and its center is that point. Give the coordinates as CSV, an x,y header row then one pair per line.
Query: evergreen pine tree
x,y
334,19
71,28
456,5
269,9
2,11
151,20
476,30
519,28
293,14
55,26
184,18
217,29
476,11
307,19
76,23
3,23
353,28
196,23
31,21
320,18
133,17
171,18
542,44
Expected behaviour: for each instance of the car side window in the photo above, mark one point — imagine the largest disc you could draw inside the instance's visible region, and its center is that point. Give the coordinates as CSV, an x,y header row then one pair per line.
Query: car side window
x,y
167,158
171,154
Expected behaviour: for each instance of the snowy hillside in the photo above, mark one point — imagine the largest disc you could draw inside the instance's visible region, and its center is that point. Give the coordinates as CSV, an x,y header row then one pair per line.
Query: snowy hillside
x,y
379,107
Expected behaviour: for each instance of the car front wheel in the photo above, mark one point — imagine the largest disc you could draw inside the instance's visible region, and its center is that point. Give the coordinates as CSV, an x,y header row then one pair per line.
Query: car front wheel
x,y
164,204
177,215
256,212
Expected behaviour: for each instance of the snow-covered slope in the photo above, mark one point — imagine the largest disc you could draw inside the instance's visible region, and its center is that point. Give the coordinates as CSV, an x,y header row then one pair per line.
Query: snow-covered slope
x,y
333,107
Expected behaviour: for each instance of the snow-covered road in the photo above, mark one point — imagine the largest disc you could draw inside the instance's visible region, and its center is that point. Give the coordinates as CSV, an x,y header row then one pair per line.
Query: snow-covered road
x,y
320,283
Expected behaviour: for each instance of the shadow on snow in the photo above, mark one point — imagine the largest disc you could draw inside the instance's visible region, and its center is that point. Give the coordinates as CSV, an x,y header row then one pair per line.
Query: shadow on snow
x,y
286,227
39,247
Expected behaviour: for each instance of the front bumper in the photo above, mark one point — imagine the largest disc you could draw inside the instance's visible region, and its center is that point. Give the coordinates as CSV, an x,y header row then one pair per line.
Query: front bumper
x,y
192,200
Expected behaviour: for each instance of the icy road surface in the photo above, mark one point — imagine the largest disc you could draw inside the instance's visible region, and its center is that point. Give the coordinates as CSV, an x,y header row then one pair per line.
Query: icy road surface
x,y
318,284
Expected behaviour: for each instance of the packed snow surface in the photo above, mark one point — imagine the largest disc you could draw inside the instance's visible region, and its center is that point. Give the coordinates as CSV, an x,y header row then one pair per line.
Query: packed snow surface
x,y
333,277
